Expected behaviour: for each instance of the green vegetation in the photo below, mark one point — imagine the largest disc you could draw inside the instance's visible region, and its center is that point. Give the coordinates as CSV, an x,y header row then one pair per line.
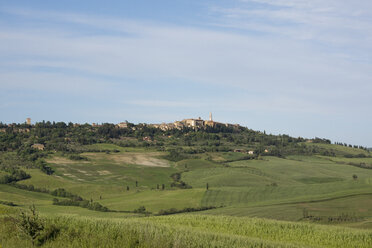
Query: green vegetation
x,y
184,231
115,182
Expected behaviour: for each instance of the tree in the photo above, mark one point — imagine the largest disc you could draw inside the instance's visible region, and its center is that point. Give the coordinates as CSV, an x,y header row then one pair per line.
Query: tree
x,y
355,177
207,186
162,186
141,210
30,224
136,184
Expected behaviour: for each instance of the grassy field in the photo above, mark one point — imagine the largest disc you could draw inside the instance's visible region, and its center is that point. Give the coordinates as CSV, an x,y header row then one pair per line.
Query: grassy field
x,y
188,231
309,190
337,149
245,183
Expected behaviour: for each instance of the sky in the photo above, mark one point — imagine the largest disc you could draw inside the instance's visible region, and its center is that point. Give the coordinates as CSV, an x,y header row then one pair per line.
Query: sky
x,y
296,67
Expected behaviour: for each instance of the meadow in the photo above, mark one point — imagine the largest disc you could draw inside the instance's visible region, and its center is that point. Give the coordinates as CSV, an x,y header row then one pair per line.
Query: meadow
x,y
268,201
188,231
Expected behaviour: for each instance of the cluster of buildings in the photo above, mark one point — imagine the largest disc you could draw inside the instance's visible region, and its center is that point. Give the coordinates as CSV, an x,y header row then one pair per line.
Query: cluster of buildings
x,y
186,123
193,123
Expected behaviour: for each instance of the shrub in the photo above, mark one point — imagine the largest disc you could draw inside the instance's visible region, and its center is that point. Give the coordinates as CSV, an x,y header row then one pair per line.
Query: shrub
x,y
30,224
141,210
77,157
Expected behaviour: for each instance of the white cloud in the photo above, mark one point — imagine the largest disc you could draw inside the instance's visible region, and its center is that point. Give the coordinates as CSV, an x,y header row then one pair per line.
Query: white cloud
x,y
338,24
284,74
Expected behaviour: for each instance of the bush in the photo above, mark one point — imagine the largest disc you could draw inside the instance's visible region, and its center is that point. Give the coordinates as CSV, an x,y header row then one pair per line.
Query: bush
x,y
60,192
42,165
35,228
15,175
95,206
8,203
29,188
141,210
30,224
185,210
77,157
175,156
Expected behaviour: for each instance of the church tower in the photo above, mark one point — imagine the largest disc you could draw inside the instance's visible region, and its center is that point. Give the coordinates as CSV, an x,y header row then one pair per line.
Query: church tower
x,y
210,116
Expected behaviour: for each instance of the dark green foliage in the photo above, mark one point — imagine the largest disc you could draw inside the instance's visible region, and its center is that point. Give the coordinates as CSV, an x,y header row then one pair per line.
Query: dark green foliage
x,y
175,155
8,203
185,210
178,182
176,176
343,217
30,187
63,193
30,224
42,165
13,176
95,206
70,138
34,228
77,157
181,185
141,210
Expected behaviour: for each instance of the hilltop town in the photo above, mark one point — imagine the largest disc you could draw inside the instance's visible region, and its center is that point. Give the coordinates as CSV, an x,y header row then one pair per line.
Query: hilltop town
x,y
187,123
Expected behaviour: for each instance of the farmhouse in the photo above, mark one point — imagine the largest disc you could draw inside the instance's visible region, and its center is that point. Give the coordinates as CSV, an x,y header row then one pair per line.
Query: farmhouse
x,y
38,146
122,125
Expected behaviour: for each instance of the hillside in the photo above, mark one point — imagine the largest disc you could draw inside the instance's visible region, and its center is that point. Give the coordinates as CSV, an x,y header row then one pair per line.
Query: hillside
x,y
116,185
188,231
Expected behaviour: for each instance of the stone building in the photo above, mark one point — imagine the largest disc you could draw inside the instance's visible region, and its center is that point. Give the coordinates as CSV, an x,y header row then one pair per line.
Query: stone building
x,y
122,125
38,146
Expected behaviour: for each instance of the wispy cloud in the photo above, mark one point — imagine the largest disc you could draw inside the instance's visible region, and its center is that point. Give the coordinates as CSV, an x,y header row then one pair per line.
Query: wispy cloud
x,y
308,57
162,52
340,25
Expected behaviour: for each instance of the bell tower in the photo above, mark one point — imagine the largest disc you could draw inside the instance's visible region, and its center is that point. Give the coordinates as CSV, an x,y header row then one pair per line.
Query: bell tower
x,y
210,116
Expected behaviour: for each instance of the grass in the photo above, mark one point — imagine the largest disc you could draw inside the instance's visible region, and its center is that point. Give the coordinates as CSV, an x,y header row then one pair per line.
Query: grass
x,y
338,150
190,231
156,200
354,205
246,183
271,187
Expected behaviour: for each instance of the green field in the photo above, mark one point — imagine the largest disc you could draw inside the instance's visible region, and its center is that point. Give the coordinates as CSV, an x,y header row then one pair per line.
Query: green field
x,y
189,231
316,193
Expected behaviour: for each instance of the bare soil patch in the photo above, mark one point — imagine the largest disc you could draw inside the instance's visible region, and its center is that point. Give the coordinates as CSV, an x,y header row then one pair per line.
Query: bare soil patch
x,y
104,172
146,159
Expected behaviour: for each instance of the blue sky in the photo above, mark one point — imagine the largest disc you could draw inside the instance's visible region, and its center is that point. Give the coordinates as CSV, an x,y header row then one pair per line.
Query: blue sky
x,y
302,68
